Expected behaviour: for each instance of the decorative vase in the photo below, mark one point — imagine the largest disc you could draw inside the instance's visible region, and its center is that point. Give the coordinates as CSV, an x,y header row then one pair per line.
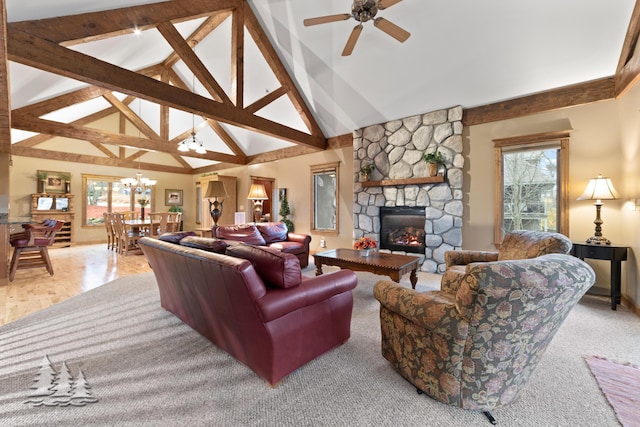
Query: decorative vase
x,y
366,252
67,187
365,177
432,168
42,186
142,213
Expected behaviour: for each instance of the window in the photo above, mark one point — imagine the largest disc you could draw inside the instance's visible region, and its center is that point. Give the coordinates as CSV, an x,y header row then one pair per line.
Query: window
x,y
107,194
324,200
531,183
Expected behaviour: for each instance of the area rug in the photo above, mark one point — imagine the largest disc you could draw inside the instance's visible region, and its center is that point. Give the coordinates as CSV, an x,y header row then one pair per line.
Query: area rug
x,y
620,383
135,364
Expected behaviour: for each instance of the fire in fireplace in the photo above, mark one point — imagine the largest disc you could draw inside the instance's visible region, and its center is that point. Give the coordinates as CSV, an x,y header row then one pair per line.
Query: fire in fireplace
x,y
402,228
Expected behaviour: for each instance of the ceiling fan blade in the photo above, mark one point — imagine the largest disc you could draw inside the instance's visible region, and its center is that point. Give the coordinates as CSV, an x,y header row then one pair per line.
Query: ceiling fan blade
x,y
353,38
326,19
392,29
385,4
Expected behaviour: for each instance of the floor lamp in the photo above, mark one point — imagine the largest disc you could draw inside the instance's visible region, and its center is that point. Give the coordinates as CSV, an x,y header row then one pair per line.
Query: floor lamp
x,y
257,193
215,191
599,189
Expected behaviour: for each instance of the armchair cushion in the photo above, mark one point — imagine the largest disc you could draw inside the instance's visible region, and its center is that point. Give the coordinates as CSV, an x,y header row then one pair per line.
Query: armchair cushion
x,y
523,244
277,269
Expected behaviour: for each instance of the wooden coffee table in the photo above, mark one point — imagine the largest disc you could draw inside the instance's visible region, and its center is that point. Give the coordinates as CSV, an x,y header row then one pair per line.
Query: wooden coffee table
x,y
392,265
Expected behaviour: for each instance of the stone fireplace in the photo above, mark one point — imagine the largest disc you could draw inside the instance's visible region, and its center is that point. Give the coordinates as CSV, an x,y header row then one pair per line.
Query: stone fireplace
x,y
396,149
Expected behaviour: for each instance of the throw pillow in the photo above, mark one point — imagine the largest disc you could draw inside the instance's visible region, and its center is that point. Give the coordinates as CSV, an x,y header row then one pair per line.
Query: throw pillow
x,y
175,237
277,269
205,243
240,233
273,231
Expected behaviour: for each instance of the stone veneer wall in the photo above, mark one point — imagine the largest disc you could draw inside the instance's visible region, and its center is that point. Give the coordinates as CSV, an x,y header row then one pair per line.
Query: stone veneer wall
x,y
396,148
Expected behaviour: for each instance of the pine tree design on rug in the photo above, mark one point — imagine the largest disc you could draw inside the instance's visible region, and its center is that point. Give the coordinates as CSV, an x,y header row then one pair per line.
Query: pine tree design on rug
x,y
51,388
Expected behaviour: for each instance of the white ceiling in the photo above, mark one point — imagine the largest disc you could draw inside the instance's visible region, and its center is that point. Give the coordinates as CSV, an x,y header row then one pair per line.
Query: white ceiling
x,y
466,53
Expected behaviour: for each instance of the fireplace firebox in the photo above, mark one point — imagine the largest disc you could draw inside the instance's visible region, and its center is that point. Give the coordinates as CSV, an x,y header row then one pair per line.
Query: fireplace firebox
x,y
402,228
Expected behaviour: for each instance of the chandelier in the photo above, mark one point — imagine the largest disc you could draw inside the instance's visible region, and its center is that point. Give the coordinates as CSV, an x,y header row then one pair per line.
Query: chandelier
x,y
138,185
192,143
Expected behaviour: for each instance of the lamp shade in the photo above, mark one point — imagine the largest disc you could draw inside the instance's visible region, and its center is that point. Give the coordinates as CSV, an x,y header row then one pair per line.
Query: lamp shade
x,y
257,192
599,189
215,189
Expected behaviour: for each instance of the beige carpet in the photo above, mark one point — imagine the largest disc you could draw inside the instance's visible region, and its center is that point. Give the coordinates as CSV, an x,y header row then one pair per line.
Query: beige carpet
x,y
146,368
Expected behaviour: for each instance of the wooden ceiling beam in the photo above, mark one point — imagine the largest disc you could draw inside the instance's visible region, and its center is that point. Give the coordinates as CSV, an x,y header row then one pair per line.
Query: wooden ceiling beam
x,y
237,57
191,60
95,160
85,134
567,96
227,139
199,34
130,115
68,99
267,99
272,58
628,70
99,25
29,50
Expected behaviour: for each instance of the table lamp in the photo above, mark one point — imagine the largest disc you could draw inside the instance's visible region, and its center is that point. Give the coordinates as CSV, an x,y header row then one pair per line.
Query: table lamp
x,y
257,193
215,190
599,189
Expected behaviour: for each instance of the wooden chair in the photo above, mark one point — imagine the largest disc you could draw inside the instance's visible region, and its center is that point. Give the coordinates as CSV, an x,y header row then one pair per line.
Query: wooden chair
x,y
30,247
174,220
164,222
127,239
111,235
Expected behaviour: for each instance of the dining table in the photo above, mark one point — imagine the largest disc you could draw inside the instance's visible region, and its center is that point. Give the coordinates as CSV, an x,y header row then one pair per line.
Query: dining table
x,y
137,225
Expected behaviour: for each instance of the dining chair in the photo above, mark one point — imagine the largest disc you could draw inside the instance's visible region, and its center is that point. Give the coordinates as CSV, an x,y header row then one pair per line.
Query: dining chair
x,y
127,239
108,225
30,246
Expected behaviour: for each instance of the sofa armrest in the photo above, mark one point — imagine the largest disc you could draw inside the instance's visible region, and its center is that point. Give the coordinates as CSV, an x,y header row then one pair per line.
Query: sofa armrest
x,y
278,302
465,257
433,310
305,239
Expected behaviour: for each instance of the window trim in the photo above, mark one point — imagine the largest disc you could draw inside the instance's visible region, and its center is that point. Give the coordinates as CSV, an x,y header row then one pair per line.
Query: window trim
x,y
532,140
108,178
324,168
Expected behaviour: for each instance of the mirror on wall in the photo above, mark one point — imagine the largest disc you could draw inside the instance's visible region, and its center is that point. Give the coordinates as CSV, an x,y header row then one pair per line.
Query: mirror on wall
x,y
324,183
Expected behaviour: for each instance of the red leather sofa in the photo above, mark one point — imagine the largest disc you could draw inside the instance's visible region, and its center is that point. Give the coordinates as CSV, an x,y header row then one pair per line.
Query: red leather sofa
x,y
271,234
253,302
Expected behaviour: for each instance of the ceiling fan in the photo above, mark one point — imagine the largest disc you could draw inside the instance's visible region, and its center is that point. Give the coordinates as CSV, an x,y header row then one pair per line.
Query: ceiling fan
x,y
363,11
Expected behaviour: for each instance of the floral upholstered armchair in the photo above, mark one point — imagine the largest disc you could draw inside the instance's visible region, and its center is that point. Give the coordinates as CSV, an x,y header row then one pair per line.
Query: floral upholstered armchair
x,y
476,348
519,244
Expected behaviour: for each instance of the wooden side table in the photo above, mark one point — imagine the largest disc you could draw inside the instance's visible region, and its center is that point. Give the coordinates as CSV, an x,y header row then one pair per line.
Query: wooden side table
x,y
615,254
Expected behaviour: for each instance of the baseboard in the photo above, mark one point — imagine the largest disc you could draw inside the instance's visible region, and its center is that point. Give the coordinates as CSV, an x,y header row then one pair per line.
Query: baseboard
x,y
630,305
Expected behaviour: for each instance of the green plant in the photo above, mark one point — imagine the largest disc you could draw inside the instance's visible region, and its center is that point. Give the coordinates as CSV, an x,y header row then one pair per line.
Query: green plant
x,y
366,169
65,177
435,157
175,209
42,175
284,212
143,202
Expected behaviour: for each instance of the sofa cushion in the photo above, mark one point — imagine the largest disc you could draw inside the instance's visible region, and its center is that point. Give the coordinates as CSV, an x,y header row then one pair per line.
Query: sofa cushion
x,y
289,247
175,237
277,269
205,243
247,233
273,231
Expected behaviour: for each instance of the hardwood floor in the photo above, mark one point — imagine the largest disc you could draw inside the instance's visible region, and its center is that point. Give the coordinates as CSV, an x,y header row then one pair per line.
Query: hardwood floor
x,y
76,270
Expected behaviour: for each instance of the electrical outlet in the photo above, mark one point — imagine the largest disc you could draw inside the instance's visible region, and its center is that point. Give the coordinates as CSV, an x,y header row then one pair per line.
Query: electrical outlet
x,y
323,243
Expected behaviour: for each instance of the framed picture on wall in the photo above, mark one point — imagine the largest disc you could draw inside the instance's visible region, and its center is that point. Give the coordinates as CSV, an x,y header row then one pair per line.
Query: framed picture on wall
x,y
55,181
172,197
282,193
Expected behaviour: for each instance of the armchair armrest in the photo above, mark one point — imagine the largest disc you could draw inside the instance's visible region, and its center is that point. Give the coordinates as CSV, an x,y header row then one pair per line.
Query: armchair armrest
x,y
465,257
433,310
278,302
299,238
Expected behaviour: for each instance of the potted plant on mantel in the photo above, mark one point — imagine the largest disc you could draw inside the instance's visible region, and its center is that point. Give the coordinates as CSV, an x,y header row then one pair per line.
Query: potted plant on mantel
x,y
366,170
434,160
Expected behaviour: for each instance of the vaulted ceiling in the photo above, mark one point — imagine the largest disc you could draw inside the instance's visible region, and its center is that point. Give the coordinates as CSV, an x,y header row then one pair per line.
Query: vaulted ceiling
x,y
122,82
